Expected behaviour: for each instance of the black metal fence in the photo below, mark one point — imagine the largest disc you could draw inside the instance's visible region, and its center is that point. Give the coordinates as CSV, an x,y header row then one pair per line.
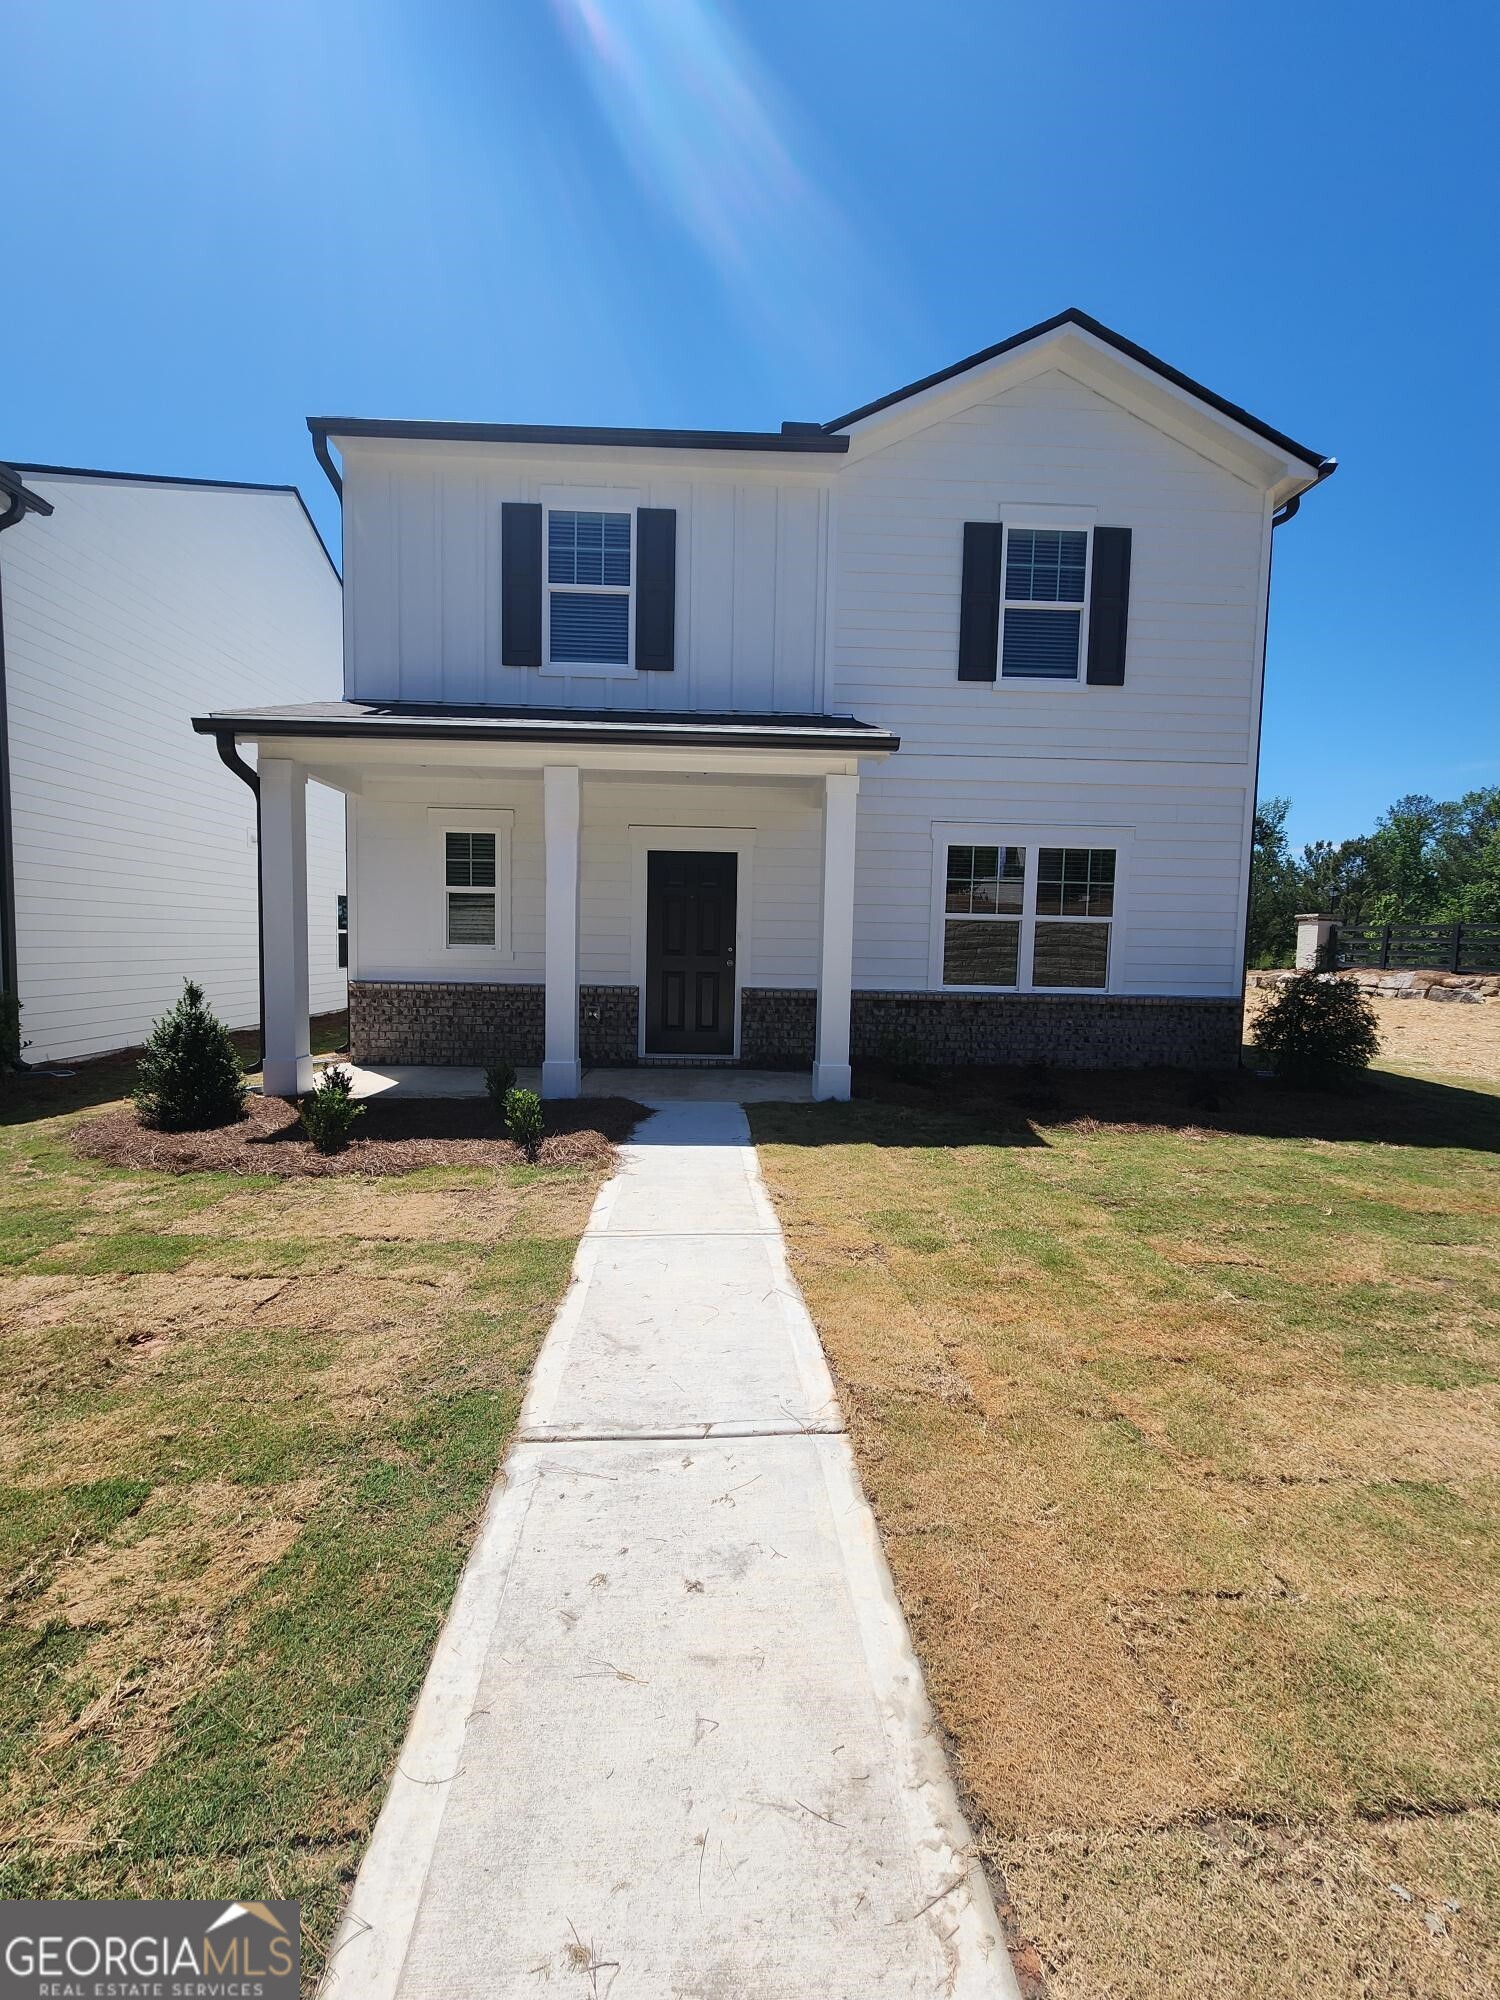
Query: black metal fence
x,y
1419,947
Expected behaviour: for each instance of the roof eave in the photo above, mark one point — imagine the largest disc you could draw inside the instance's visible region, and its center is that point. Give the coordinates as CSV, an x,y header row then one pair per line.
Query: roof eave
x,y
1142,357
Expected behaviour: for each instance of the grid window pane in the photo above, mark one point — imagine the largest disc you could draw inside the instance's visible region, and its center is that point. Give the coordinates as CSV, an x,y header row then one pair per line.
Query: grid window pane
x,y
1070,955
1075,882
471,919
1041,645
1045,565
980,954
470,860
592,630
985,880
588,548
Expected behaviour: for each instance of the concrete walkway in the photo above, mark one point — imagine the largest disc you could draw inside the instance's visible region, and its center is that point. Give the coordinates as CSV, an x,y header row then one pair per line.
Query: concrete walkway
x,y
673,1744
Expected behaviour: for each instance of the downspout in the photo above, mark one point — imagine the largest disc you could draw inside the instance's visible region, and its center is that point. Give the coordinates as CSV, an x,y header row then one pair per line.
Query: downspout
x,y
1279,519
230,756
325,458
19,502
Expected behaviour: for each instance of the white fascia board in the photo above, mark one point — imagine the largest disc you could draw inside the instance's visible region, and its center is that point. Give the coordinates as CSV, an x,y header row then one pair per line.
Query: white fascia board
x,y
573,461
345,764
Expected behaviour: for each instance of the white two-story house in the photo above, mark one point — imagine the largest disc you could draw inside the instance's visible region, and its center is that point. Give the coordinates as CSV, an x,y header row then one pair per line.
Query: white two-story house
x,y
932,729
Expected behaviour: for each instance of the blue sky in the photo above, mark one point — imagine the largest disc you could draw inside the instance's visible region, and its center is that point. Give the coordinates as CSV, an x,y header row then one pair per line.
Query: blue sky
x,y
684,212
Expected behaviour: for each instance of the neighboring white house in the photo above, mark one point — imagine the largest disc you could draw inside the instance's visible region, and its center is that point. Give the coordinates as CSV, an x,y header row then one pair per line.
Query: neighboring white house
x,y
129,859
933,728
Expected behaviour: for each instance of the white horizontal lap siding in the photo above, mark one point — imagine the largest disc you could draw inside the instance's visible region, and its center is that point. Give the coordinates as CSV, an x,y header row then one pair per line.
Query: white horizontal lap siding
x,y
399,889
1169,755
1180,931
129,609
422,555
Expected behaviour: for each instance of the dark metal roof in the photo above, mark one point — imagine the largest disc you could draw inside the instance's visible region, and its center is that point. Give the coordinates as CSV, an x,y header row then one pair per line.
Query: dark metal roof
x,y
801,437
1073,317
817,439
431,721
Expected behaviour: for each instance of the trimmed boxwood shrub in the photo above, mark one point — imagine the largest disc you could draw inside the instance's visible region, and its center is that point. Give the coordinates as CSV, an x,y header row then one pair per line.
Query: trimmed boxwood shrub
x,y
330,1111
190,1076
1315,1027
523,1120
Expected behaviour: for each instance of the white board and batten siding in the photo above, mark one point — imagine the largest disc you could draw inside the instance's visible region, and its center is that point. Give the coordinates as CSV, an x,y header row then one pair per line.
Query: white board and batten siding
x,y
422,570
134,606
1168,757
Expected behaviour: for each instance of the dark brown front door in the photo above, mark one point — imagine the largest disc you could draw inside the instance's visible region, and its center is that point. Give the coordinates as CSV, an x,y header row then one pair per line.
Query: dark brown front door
x,y
690,903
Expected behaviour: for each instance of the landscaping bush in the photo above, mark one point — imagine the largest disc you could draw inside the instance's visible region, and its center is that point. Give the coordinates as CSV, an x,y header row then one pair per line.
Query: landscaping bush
x,y
523,1120
11,1043
1315,1027
190,1076
500,1081
331,1110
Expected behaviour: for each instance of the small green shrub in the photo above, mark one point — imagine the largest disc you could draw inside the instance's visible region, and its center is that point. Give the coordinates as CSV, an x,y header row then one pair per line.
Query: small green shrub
x,y
190,1076
331,1110
500,1081
1315,1027
11,1043
523,1120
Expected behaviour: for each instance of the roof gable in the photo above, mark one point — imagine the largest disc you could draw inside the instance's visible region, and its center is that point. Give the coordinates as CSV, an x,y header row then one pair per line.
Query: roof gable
x,y
1116,344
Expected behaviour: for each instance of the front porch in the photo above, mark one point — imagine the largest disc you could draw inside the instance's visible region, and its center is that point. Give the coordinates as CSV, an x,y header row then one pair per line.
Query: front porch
x,y
574,893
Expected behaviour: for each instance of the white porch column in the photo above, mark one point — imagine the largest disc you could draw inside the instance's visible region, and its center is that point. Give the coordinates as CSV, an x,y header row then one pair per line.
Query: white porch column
x,y
836,961
285,1035
560,802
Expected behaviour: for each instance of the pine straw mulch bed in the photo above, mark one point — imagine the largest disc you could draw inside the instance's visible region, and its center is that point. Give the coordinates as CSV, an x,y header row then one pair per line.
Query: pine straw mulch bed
x,y
389,1139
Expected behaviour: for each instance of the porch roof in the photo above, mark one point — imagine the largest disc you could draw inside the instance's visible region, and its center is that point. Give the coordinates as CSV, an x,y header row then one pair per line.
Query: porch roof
x,y
433,722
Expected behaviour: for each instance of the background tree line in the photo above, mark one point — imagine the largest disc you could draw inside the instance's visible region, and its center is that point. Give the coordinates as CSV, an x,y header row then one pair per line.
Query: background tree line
x,y
1427,862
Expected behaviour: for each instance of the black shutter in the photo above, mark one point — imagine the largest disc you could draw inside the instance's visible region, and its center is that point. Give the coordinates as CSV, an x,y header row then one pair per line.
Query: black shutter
x,y
979,607
1109,607
655,588
520,584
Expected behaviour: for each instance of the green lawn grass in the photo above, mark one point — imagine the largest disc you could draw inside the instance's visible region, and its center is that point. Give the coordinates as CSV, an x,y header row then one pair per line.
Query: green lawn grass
x,y
246,1431
1179,1405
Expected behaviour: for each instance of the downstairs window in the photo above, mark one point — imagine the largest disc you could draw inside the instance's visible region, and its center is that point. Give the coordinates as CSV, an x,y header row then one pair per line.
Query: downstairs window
x,y
1028,918
470,874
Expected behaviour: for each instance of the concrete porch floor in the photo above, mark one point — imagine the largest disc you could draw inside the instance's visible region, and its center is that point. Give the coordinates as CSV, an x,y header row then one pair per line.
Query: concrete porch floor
x,y
646,1084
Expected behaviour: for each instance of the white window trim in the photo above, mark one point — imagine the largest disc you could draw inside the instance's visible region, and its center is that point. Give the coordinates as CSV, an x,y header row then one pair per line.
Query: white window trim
x,y
736,840
1032,838
441,821
589,500
1080,520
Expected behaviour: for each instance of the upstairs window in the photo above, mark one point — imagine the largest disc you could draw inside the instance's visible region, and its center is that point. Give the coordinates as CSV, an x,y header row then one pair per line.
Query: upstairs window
x,y
1046,594
471,879
589,573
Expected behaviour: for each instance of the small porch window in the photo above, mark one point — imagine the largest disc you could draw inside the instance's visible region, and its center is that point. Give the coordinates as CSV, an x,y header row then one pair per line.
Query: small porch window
x,y
471,864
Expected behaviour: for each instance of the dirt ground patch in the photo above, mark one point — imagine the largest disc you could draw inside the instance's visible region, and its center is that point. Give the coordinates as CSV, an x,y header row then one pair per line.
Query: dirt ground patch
x,y
389,1139
1440,1038
1178,1401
